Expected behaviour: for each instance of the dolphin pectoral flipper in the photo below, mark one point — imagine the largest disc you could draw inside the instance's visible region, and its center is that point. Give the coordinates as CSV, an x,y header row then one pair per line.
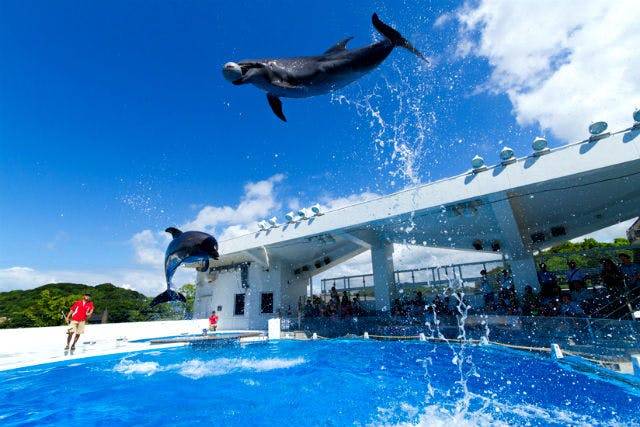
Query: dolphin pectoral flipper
x,y
395,37
276,106
339,47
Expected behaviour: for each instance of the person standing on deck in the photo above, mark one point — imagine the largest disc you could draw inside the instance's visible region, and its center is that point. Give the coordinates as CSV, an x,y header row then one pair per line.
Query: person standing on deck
x,y
575,276
213,321
78,314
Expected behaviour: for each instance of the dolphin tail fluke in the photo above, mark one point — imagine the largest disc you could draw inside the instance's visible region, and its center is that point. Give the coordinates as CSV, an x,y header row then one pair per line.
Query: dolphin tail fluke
x,y
395,37
166,296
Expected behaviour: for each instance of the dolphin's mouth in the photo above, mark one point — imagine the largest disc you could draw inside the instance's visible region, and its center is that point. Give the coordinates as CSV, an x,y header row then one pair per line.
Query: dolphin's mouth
x,y
232,71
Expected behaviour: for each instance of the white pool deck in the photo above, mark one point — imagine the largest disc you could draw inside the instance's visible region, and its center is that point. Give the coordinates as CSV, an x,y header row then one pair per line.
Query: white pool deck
x,y
25,347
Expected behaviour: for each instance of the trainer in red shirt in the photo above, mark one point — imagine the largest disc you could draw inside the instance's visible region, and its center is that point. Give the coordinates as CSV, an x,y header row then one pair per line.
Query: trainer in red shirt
x,y
213,321
78,313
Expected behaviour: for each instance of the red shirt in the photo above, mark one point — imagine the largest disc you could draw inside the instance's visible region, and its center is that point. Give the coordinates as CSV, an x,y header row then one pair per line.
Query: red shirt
x,y
213,319
79,310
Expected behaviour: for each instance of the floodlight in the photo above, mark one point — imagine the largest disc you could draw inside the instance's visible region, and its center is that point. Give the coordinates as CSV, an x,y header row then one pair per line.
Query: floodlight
x,y
539,144
273,221
636,115
290,217
506,154
316,209
302,213
597,128
477,162
263,225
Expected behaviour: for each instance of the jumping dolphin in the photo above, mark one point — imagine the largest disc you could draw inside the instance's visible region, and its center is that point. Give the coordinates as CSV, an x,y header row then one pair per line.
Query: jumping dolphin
x,y
307,76
190,246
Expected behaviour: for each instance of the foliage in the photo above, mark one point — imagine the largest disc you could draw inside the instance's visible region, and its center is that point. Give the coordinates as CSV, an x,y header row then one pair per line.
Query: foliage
x,y
587,253
189,291
47,305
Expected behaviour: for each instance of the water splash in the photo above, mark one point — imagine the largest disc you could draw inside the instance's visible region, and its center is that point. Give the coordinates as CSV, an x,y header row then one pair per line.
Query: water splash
x,y
400,120
196,368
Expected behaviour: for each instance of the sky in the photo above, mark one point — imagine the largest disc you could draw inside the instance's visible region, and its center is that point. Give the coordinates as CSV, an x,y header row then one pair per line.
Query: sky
x,y
116,122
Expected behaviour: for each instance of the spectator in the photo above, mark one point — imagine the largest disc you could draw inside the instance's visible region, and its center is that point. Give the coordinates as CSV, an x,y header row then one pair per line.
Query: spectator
x,y
502,306
550,302
569,307
345,305
439,306
575,276
396,308
447,310
612,277
332,307
530,302
548,281
506,281
487,291
581,295
308,308
630,271
334,294
514,304
357,306
418,304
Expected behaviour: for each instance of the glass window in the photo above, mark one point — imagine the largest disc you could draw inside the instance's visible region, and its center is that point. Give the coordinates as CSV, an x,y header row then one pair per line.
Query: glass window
x,y
266,303
238,307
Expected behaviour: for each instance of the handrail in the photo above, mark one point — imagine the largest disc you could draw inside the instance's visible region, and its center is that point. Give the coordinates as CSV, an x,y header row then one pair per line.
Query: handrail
x,y
413,270
627,305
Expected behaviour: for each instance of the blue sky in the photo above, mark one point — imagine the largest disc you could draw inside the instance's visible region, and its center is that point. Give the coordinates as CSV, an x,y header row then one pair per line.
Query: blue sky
x,y
115,118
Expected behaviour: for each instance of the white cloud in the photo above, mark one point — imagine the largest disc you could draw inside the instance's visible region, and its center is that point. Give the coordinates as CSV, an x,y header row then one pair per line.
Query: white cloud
x,y
148,246
562,64
258,201
609,233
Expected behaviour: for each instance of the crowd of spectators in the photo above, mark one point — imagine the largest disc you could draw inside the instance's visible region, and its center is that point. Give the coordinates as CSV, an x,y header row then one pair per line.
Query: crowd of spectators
x,y
614,292
336,306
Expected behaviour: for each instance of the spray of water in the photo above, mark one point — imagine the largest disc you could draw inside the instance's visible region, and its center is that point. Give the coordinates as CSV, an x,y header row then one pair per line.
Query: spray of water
x,y
400,121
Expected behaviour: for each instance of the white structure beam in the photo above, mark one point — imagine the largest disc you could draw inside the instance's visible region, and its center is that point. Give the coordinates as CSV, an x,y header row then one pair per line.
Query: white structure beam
x,y
523,266
383,276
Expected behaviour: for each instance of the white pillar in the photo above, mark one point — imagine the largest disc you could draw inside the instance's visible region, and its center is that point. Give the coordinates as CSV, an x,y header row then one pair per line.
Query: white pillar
x,y
523,266
556,352
274,328
383,276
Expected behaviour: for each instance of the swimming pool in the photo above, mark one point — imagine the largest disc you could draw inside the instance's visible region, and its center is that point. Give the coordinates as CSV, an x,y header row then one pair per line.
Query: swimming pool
x,y
325,382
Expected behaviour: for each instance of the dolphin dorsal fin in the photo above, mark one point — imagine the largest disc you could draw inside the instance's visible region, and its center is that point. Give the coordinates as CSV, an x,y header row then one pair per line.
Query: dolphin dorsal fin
x,y
173,231
339,47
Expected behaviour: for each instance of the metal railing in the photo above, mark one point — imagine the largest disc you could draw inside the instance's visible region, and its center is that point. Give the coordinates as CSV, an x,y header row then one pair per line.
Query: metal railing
x,y
416,277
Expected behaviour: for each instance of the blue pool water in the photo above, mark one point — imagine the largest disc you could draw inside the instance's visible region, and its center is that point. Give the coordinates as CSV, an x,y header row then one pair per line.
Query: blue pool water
x,y
331,382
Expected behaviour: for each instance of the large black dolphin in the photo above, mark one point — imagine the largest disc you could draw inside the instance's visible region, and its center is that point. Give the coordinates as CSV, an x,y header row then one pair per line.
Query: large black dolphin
x,y
190,246
307,76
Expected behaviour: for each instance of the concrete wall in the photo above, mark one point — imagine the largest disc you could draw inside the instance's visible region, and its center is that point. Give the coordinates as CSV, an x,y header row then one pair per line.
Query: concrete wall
x,y
32,346
286,289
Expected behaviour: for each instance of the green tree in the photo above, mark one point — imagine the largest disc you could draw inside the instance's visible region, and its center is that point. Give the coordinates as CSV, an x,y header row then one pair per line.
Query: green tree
x,y
189,291
48,310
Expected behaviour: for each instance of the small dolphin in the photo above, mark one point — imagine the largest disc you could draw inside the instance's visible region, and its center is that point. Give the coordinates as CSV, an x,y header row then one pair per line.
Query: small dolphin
x,y
307,76
190,246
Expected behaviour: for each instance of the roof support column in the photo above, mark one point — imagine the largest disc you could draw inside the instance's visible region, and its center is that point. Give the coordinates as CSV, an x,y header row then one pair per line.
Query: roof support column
x,y
383,274
523,266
